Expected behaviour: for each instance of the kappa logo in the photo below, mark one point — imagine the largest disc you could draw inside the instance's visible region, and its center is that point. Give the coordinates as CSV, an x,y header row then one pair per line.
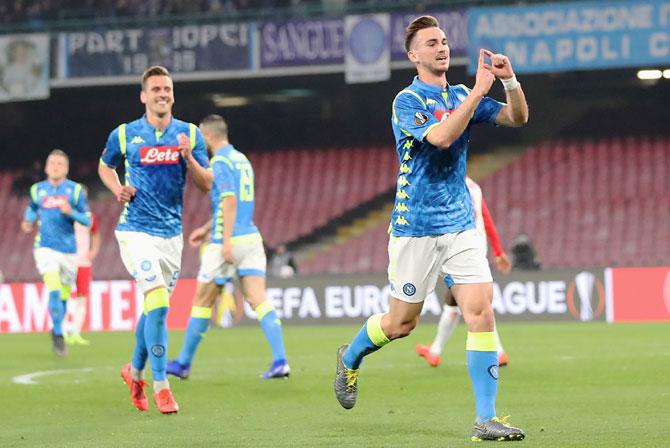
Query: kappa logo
x,y
54,201
493,371
586,297
159,155
420,118
137,139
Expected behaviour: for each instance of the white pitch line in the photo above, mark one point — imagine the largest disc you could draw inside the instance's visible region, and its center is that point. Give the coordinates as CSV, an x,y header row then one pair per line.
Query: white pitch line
x,y
29,378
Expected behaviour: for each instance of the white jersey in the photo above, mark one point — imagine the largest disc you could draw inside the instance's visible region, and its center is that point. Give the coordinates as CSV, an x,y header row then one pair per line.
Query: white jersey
x,y
476,195
82,235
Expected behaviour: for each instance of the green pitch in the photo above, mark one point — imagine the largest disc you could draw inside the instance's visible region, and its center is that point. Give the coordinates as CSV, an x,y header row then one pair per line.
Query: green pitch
x,y
567,385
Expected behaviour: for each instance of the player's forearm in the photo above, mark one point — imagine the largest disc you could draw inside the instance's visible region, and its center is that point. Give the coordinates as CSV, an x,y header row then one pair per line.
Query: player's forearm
x,y
82,218
95,245
202,177
446,133
517,107
229,214
110,178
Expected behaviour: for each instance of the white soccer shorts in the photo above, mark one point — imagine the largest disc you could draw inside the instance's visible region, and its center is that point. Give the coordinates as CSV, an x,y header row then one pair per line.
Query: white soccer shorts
x,y
152,261
50,260
249,259
415,263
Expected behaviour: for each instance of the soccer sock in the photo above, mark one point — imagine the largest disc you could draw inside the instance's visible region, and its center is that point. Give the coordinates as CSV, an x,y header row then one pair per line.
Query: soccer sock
x,y
140,354
482,360
198,325
78,314
156,305
499,346
445,328
271,325
56,311
369,339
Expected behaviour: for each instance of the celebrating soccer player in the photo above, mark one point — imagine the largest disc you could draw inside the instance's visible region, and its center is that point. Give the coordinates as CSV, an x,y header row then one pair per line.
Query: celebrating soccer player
x,y
157,150
432,226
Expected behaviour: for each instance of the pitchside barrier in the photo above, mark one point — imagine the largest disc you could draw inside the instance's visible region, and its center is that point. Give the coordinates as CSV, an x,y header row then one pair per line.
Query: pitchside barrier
x,y
611,294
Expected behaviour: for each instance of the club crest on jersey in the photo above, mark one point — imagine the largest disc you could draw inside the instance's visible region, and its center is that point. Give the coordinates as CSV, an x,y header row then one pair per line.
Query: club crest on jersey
x,y
442,115
159,155
54,201
420,118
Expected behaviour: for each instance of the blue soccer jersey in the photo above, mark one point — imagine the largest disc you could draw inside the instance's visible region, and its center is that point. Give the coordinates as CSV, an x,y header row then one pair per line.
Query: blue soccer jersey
x,y
233,175
154,166
56,230
432,197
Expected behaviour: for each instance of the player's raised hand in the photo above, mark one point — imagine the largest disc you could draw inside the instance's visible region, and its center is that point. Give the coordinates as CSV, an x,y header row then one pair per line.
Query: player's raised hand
x,y
501,66
484,77
126,193
185,146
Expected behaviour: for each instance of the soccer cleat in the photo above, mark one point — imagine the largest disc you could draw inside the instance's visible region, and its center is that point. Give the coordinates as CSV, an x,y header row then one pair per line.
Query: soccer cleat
x,y
58,344
278,369
76,339
424,350
137,394
503,359
346,381
165,402
497,429
177,369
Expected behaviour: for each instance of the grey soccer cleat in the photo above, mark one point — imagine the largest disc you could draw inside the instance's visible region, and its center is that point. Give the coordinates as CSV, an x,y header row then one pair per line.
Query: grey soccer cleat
x,y
58,343
497,429
346,381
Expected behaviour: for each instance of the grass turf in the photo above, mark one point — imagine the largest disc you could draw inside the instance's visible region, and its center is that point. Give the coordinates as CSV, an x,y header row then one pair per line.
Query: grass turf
x,y
567,385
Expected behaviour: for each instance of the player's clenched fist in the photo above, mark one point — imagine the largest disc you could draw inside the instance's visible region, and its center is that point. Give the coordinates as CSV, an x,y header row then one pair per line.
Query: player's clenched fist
x,y
125,193
185,146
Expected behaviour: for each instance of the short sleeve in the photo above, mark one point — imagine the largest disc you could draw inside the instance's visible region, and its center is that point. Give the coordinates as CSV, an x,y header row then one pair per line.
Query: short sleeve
x,y
411,115
224,177
200,149
487,110
112,156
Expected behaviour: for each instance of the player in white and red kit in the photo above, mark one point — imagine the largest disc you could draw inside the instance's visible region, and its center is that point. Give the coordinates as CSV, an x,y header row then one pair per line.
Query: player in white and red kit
x,y
88,245
451,314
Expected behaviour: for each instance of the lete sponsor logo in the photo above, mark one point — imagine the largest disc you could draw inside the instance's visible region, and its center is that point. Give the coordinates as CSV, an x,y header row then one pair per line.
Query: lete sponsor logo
x,y
54,201
159,155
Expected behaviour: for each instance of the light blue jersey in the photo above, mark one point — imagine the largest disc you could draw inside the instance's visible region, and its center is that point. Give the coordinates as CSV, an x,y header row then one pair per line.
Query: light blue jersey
x,y
154,166
56,230
432,197
233,176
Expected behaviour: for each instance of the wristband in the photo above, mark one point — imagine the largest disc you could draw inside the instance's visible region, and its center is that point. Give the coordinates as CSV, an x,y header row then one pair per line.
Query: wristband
x,y
510,83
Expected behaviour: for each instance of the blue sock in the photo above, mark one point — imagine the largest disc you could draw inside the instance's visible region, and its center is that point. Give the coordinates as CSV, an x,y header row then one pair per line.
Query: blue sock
x,y
271,325
197,327
482,360
369,339
140,351
156,306
56,312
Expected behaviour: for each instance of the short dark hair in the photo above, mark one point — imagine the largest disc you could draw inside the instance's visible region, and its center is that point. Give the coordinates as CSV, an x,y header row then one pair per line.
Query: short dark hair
x,y
155,70
418,24
59,152
216,124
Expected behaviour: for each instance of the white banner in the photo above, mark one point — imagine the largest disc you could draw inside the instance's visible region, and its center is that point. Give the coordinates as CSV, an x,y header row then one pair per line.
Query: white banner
x,y
368,49
24,67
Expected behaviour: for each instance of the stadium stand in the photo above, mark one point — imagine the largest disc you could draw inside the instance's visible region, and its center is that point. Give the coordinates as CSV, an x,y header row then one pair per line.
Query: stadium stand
x,y
578,201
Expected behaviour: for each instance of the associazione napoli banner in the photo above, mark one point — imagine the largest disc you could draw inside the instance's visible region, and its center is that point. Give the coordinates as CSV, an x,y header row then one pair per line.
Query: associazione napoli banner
x,y
573,36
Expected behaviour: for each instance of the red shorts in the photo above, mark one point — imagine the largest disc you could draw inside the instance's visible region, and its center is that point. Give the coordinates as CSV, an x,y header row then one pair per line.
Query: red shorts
x,y
84,277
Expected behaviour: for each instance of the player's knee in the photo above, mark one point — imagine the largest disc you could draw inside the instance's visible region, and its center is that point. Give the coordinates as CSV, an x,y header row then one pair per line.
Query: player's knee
x,y
401,329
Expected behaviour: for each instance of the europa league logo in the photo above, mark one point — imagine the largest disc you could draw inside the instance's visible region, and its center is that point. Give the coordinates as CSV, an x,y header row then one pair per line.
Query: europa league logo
x,y
591,293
